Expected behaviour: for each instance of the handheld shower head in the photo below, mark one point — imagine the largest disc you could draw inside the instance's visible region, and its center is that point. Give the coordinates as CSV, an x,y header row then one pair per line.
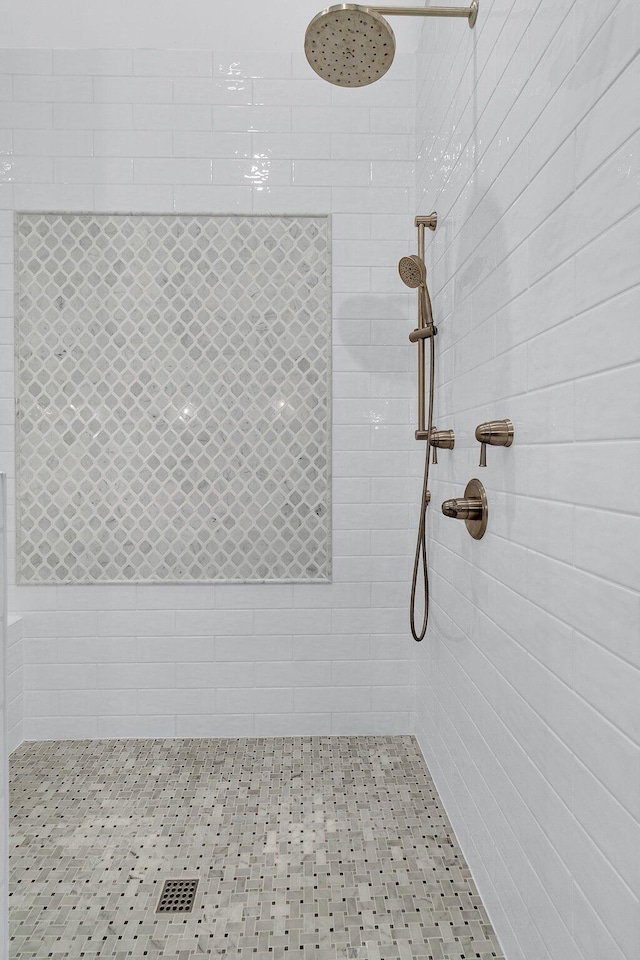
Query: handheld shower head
x,y
349,45
413,271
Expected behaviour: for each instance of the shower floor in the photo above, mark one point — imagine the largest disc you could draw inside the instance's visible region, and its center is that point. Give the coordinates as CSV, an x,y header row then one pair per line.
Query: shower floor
x,y
310,847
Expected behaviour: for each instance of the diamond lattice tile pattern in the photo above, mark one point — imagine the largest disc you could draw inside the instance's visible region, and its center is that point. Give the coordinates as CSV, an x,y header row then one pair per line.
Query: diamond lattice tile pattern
x,y
173,388
321,847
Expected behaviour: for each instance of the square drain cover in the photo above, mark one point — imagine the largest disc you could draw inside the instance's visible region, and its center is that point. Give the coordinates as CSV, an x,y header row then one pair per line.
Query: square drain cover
x,y
177,896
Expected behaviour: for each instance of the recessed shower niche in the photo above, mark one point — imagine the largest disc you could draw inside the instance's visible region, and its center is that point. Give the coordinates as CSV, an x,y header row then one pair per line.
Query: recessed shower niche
x,y
173,412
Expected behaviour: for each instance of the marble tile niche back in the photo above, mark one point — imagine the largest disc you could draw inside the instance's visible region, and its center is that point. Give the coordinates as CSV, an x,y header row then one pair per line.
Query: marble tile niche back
x,y
173,377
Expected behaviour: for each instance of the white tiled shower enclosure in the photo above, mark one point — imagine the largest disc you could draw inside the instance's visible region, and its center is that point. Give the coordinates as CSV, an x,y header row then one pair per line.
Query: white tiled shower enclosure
x,y
527,689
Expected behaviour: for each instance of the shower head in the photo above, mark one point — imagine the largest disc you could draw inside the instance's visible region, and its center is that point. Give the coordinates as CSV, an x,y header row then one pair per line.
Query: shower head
x,y
413,271
352,45
349,45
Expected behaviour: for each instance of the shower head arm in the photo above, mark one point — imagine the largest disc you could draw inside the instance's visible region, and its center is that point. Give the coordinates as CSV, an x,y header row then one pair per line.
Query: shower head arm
x,y
470,13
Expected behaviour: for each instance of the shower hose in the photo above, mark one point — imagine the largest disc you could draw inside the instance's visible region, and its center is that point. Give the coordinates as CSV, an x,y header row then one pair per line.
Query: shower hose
x,y
420,560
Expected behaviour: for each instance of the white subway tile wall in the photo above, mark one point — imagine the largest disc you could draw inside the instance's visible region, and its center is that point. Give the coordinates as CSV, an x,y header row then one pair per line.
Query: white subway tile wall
x,y
528,683
7,665
14,683
191,131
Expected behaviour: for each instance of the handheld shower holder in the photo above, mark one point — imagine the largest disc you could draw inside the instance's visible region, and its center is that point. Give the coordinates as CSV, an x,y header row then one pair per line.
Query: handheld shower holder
x,y
413,273
423,333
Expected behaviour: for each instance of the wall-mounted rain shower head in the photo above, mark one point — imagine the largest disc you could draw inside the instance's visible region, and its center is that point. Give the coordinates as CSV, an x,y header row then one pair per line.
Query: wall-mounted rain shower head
x,y
352,45
412,271
349,46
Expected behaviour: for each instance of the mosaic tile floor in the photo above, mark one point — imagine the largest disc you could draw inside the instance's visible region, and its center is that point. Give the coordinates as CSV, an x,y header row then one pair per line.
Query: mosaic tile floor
x,y
318,847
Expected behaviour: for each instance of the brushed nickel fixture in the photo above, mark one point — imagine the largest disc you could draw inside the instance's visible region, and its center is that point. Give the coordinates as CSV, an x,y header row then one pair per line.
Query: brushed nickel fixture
x,y
496,433
177,896
351,45
444,439
413,273
472,508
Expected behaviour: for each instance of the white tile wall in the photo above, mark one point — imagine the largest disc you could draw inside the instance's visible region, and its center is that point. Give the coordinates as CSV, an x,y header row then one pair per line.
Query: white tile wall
x,y
529,681
186,130
246,25
4,729
15,683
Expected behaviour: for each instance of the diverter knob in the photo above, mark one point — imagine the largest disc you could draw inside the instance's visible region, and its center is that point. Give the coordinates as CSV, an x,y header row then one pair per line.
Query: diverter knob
x,y
496,433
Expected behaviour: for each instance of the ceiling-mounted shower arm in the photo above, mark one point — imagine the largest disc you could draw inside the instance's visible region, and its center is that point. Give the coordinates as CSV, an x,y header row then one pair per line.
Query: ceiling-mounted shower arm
x,y
470,13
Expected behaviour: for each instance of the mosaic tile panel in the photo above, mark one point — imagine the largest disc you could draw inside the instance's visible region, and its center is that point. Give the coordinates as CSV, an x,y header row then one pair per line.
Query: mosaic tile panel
x,y
320,847
173,377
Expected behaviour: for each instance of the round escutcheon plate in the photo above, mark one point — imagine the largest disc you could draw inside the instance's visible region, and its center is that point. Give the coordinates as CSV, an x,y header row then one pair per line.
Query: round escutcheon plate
x,y
474,490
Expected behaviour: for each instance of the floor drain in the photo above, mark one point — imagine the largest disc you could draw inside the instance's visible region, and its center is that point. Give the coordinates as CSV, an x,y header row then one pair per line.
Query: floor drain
x,y
177,896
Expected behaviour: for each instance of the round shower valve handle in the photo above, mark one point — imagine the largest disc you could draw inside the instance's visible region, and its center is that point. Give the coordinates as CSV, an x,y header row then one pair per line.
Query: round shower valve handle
x,y
472,508
463,508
